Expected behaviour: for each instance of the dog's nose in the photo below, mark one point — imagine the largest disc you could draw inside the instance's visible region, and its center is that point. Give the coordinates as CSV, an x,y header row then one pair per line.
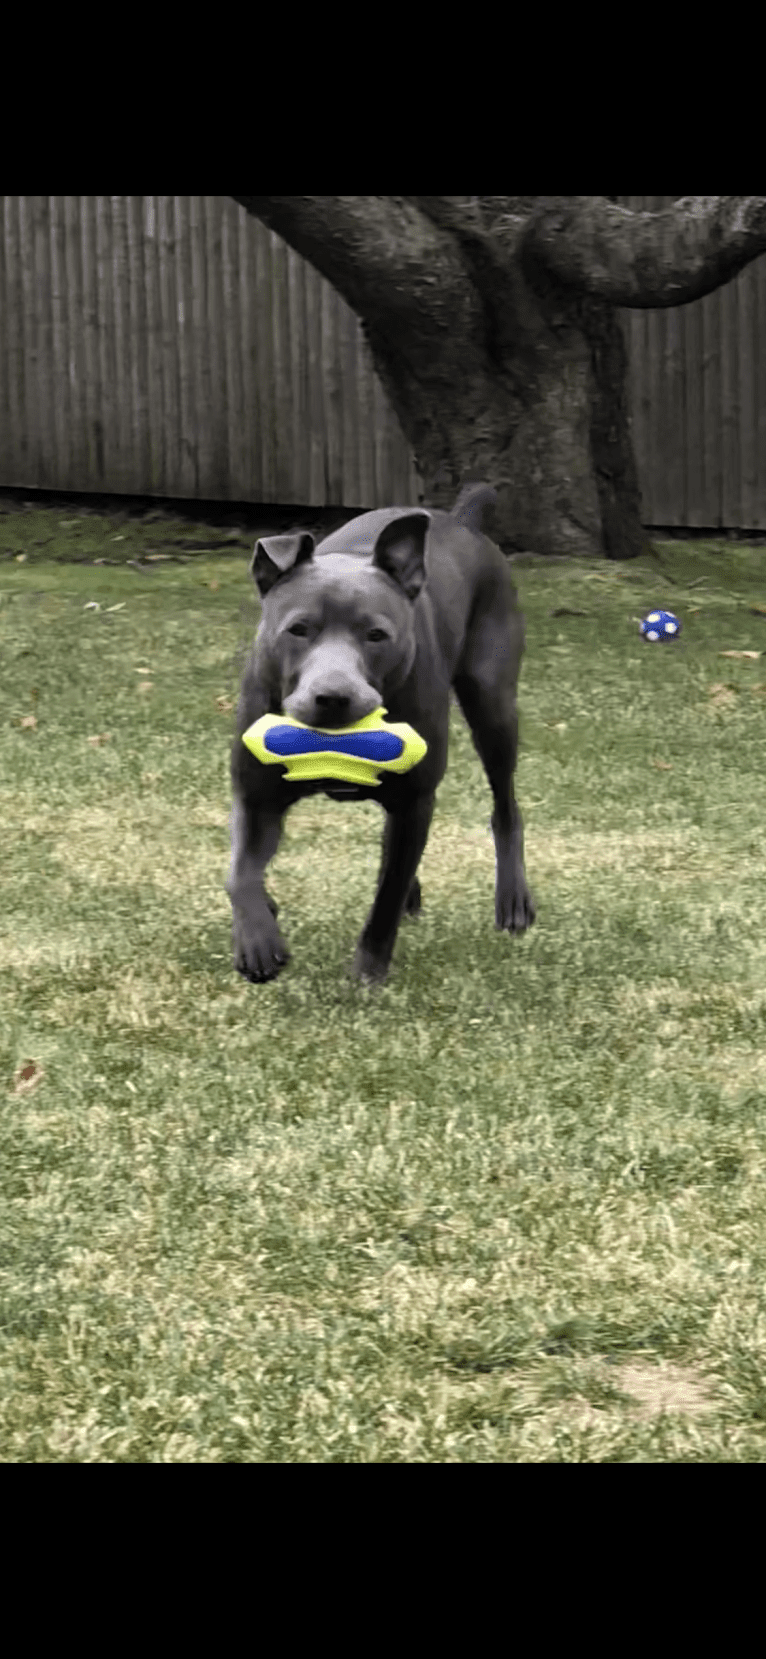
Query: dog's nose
x,y
332,708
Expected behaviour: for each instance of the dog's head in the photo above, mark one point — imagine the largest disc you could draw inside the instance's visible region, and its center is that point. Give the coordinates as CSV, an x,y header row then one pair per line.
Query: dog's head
x,y
338,629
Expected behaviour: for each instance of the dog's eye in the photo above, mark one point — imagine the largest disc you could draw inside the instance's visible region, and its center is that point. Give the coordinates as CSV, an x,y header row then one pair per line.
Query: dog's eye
x,y
299,629
375,635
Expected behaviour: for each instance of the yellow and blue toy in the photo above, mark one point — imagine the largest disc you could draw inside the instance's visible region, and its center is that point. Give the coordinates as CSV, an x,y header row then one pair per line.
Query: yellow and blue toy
x,y
353,754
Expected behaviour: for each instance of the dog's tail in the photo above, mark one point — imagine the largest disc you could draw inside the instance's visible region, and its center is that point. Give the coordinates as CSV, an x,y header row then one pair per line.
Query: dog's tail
x,y
470,504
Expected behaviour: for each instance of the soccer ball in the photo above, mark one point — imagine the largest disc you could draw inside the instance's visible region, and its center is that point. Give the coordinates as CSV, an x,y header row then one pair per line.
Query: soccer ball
x,y
660,626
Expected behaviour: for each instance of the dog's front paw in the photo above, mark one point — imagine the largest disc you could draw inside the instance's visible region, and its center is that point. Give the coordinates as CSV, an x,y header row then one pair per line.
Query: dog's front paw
x,y
514,906
260,952
368,968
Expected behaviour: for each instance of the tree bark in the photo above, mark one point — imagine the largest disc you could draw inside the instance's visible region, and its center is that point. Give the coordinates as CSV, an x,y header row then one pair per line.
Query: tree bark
x,y
492,325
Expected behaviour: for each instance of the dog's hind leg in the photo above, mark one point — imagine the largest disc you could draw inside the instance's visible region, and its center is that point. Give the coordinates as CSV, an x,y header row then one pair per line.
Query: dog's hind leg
x,y
485,686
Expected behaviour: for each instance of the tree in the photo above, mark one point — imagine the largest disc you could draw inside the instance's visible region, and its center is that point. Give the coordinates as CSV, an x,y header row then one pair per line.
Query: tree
x,y
492,324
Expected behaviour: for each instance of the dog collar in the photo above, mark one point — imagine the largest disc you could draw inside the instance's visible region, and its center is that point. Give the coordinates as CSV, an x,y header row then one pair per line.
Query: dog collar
x,y
353,754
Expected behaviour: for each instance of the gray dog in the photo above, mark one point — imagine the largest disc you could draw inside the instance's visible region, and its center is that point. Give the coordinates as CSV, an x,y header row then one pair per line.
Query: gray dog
x,y
391,610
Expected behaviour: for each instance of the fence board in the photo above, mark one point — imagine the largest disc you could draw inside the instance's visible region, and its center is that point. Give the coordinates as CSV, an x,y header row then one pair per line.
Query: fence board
x,y
139,346
199,376
171,404
123,342
31,410
187,418
331,362
759,352
263,366
712,392
347,340
316,413
282,388
73,280
748,416
730,401
60,397
230,328
107,355
695,509
11,366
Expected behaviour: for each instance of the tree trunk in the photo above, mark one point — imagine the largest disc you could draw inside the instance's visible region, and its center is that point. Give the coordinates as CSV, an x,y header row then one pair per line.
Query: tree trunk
x,y
547,427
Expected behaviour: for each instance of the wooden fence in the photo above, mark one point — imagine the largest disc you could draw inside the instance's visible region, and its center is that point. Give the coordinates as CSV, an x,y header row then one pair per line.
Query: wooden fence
x,y
172,346
698,402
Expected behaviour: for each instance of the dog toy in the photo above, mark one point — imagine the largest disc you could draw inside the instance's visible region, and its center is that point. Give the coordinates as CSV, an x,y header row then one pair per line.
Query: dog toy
x,y
354,754
660,626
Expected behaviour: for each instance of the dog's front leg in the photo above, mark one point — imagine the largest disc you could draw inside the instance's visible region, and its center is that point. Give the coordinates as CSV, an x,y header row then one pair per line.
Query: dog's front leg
x,y
404,838
259,949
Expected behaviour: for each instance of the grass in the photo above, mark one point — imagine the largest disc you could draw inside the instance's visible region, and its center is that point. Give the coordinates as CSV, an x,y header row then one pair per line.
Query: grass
x,y
509,1209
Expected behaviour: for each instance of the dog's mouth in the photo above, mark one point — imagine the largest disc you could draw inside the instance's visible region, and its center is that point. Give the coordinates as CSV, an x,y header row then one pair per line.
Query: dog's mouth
x,y
331,720
345,791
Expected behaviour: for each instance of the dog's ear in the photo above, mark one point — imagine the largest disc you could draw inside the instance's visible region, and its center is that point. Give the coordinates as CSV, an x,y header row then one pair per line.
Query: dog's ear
x,y
400,551
275,555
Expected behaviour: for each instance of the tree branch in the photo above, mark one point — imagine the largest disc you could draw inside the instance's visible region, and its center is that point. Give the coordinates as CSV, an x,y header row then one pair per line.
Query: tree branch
x,y
646,259
382,254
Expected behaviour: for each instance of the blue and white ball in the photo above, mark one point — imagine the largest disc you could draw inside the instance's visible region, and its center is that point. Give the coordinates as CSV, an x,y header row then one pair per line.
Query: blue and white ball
x,y
660,626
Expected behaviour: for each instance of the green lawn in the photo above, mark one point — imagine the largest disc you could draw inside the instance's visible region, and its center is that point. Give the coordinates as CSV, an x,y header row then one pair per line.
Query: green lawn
x,y
508,1209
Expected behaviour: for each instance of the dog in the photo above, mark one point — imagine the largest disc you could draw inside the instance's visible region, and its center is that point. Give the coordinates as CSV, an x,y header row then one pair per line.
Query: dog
x,y
391,610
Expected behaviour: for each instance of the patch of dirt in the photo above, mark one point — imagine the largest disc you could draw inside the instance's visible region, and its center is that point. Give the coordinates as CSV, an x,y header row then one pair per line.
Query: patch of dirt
x,y
652,1389
664,1388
